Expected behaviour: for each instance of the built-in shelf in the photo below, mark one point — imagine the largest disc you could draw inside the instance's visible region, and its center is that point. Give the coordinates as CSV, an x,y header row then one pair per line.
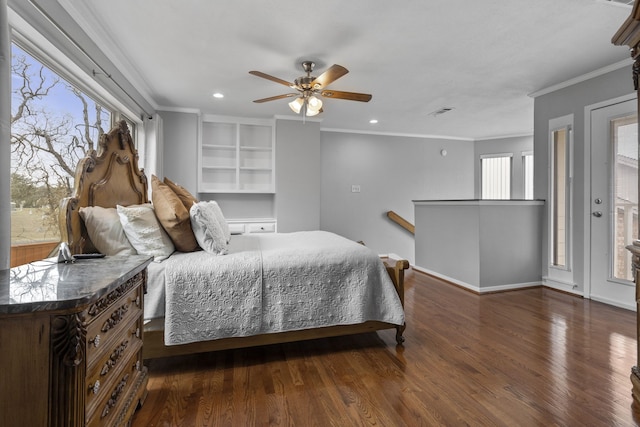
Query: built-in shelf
x,y
236,156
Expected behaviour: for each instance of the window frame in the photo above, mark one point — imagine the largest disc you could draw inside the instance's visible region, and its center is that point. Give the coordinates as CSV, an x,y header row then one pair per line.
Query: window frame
x,y
562,273
528,175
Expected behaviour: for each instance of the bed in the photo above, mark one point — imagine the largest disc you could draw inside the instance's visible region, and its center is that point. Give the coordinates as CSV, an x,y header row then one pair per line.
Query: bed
x,y
261,289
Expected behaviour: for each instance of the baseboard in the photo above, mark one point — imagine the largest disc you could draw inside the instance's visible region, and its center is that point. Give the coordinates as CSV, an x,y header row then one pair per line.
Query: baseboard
x,y
614,303
447,279
476,289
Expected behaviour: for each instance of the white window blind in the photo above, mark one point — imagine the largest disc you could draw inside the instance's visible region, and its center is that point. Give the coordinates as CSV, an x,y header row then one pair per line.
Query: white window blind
x,y
527,167
496,176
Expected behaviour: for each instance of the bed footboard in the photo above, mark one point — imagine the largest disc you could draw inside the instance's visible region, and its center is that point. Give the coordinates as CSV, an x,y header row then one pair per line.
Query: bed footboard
x,y
396,272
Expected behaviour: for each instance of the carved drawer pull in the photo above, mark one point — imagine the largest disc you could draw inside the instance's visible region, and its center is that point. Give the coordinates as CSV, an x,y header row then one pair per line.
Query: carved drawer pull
x,y
137,365
138,301
136,333
95,341
116,317
95,388
115,395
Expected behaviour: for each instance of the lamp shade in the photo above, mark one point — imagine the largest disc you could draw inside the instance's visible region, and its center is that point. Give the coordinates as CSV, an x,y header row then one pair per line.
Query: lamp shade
x,y
314,103
312,113
296,105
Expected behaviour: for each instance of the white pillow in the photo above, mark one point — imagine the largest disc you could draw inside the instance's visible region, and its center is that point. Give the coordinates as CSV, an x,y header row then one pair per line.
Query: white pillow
x,y
145,232
215,208
207,229
105,231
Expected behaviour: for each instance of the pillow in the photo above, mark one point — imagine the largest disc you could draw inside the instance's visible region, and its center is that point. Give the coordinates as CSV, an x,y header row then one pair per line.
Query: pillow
x,y
226,232
144,231
105,231
185,197
173,216
207,229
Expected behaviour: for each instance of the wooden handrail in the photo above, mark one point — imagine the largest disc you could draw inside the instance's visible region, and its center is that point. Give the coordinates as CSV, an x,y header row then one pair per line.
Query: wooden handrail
x,y
401,222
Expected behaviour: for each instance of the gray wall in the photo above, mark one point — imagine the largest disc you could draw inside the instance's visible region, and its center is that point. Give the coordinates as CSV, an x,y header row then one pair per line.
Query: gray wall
x,y
514,145
391,172
297,199
180,131
572,100
482,245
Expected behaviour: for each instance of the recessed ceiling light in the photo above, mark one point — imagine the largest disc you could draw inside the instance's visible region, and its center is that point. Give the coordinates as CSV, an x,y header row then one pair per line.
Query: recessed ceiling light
x,y
218,95
373,121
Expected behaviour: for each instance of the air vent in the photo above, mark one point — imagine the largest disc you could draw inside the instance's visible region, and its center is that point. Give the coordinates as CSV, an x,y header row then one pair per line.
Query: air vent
x,y
441,111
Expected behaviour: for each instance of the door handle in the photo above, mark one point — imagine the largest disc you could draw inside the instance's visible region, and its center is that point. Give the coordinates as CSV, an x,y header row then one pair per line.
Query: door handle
x,y
597,214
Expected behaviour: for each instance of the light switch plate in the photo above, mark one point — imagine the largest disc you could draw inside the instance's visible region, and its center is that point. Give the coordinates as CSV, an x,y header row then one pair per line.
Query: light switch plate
x,y
355,188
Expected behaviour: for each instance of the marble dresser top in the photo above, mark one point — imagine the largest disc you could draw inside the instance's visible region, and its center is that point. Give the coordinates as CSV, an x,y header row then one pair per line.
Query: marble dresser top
x,y
47,285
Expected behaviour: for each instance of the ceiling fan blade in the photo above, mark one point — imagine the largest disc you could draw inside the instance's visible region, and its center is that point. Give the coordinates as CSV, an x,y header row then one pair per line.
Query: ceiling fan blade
x,y
273,79
332,74
273,98
351,96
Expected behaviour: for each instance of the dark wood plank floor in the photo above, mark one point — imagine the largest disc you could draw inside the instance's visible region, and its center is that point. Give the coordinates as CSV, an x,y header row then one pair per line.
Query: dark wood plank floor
x,y
531,357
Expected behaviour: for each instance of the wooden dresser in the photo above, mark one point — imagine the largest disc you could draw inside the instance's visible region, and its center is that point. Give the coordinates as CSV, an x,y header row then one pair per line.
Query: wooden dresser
x,y
71,342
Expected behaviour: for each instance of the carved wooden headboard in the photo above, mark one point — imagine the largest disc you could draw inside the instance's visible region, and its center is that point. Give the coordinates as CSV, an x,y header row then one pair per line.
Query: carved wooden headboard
x,y
105,178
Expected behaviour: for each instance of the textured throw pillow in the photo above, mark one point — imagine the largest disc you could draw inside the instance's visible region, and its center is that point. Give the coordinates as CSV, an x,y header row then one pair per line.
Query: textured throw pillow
x,y
208,231
105,231
215,208
173,216
185,197
145,232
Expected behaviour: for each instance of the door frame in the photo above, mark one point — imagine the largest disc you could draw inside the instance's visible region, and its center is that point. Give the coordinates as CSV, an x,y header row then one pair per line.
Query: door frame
x,y
587,189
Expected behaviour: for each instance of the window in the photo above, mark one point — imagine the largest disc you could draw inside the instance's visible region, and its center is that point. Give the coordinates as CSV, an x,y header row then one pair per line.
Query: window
x,y
560,196
527,170
53,126
496,176
625,197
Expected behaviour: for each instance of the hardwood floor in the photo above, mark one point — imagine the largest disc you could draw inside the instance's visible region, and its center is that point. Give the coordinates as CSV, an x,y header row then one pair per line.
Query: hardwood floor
x,y
531,357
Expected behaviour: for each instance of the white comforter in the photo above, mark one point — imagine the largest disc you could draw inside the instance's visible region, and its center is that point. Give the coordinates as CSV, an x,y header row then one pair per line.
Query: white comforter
x,y
275,283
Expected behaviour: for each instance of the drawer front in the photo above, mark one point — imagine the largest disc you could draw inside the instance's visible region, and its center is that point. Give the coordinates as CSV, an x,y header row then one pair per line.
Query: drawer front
x,y
108,410
105,373
109,326
236,228
95,312
266,227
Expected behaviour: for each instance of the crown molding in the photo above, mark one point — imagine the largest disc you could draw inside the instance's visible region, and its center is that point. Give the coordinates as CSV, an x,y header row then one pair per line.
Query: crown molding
x,y
584,77
408,135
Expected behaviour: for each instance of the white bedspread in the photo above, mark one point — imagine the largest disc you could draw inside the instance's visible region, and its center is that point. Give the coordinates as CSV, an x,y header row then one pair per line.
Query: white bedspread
x,y
274,283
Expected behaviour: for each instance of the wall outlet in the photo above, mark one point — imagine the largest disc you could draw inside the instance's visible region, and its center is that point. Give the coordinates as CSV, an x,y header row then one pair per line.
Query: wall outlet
x,y
355,188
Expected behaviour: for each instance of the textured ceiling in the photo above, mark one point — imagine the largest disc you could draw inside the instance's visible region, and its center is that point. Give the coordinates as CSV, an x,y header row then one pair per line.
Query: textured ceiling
x,y
481,58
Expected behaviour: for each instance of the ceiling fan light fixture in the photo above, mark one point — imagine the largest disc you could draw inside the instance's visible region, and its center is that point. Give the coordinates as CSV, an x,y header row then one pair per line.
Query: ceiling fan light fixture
x,y
296,105
312,113
314,103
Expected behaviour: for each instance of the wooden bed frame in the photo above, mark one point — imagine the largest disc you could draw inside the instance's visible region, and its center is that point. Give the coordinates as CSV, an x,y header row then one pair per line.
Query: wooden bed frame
x,y
111,177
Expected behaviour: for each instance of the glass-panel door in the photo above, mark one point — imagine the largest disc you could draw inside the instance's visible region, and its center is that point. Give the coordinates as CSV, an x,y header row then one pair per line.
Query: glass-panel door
x,y
624,136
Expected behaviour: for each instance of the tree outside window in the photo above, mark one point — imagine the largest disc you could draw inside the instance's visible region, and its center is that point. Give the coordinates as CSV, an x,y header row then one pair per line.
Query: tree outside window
x,y
53,126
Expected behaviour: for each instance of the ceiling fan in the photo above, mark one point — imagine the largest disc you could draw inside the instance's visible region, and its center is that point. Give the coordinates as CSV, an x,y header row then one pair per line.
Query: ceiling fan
x,y
310,89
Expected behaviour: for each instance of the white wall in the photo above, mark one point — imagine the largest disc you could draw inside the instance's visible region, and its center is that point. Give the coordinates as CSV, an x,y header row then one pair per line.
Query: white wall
x,y
5,139
391,172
